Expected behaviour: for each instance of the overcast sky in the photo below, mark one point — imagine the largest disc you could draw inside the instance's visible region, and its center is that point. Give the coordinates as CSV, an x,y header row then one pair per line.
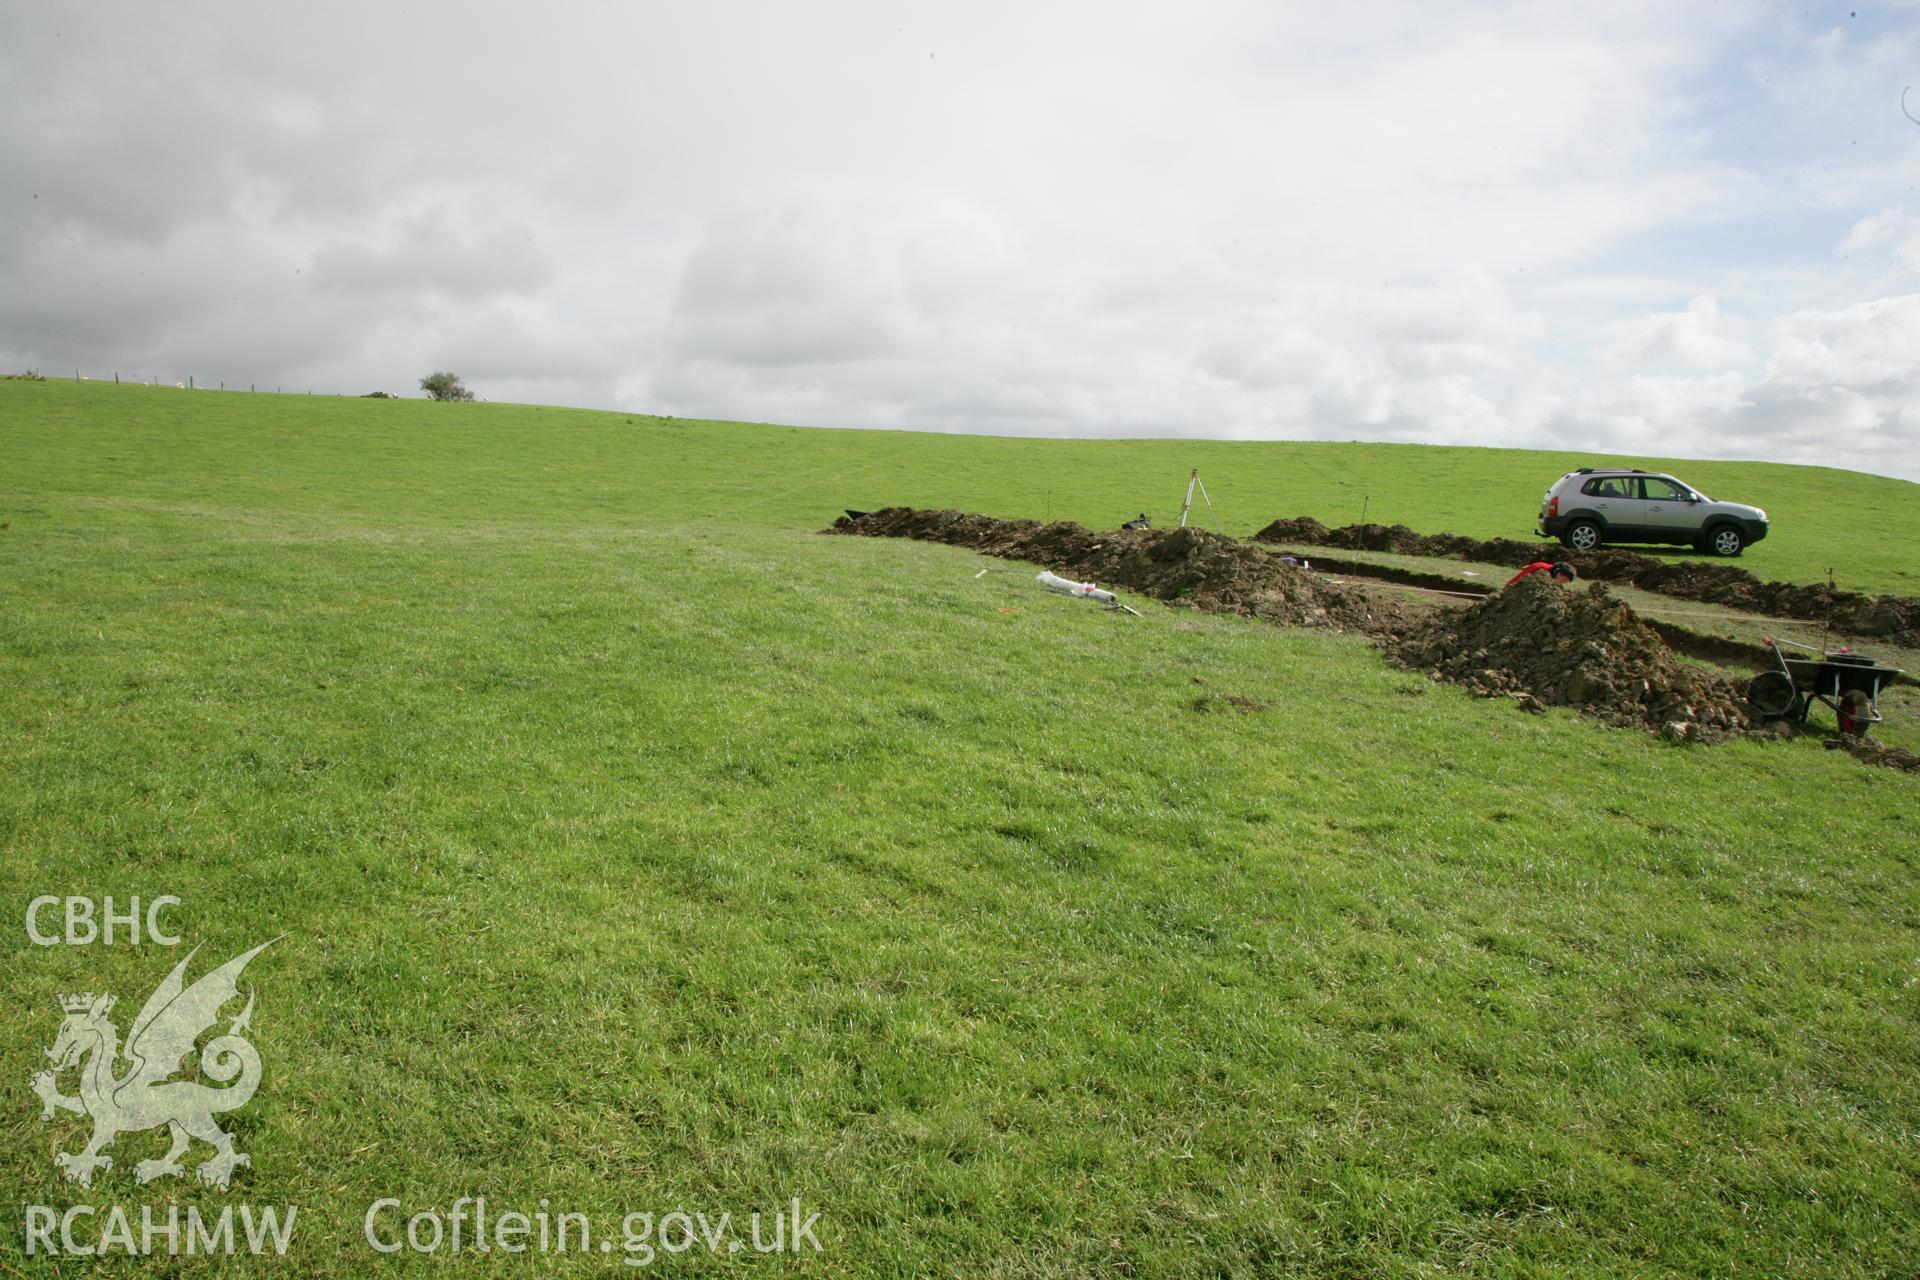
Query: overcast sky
x,y
1663,228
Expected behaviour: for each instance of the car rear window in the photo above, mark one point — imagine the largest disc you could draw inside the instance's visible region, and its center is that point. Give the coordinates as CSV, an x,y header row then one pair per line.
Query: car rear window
x,y
1609,487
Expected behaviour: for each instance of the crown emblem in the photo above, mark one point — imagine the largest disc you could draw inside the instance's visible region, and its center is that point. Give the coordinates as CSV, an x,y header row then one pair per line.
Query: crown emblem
x,y
79,1002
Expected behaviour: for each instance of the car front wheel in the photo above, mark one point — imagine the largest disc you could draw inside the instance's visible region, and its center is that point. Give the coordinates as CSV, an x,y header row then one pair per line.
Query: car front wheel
x,y
1725,541
1582,535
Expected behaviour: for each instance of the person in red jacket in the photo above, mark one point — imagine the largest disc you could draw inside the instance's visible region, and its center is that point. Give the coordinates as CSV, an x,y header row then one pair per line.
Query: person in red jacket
x,y
1558,572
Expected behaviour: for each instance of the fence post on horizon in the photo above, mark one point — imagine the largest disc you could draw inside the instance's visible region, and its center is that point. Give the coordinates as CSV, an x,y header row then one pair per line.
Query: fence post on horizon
x,y
116,377
189,382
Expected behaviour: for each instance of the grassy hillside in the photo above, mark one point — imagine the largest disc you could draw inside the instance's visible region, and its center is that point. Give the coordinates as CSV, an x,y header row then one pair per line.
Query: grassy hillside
x,y
639,851
399,461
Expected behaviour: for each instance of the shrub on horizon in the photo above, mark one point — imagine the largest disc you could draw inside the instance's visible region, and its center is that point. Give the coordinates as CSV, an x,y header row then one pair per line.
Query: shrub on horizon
x,y
444,386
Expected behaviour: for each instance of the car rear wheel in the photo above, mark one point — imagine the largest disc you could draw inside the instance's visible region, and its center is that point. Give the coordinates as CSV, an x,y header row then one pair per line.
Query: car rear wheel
x,y
1725,540
1582,535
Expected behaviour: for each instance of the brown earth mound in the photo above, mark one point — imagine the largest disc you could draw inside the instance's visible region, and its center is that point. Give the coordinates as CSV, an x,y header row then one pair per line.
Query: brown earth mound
x,y
1879,753
1184,567
1582,649
1895,617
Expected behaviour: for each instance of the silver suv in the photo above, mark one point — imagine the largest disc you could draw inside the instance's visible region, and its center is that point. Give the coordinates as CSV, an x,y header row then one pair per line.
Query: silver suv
x,y
1596,505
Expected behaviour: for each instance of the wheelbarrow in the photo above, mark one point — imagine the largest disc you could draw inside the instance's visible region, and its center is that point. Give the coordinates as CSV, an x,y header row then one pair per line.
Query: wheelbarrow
x,y
1846,681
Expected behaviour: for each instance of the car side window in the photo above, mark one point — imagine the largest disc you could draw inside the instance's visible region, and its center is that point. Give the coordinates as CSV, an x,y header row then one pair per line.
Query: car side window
x,y
1608,487
1663,490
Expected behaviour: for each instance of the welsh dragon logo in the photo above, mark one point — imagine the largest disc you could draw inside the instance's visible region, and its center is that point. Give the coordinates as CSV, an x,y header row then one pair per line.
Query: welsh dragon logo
x,y
145,1095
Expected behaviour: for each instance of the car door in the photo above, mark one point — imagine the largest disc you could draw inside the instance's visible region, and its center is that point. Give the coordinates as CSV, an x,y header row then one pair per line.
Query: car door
x,y
1618,502
1669,509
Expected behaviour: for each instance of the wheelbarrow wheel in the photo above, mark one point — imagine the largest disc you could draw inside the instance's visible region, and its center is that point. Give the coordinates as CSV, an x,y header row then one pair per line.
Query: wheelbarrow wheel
x,y
1773,696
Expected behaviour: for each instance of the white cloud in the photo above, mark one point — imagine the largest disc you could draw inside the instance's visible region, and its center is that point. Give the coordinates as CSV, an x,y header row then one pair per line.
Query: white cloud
x,y
1700,337
1839,389
428,255
952,327
1663,414
1872,349
1894,230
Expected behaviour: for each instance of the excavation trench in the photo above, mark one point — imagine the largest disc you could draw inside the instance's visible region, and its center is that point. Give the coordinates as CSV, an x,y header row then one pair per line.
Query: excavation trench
x,y
1536,642
1893,618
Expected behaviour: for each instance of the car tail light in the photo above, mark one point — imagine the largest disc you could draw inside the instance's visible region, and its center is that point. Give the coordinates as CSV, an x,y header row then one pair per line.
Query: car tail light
x,y
1553,505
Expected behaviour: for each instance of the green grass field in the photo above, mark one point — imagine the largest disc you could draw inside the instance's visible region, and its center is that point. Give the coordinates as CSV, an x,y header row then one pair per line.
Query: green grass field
x,y
637,850
401,463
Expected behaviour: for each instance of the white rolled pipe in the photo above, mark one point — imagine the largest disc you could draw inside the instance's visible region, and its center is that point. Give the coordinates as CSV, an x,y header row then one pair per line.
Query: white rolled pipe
x,y
1068,587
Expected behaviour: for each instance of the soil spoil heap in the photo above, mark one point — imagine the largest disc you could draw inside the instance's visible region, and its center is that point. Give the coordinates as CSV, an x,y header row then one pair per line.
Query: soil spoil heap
x,y
1548,645
1872,752
1189,568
